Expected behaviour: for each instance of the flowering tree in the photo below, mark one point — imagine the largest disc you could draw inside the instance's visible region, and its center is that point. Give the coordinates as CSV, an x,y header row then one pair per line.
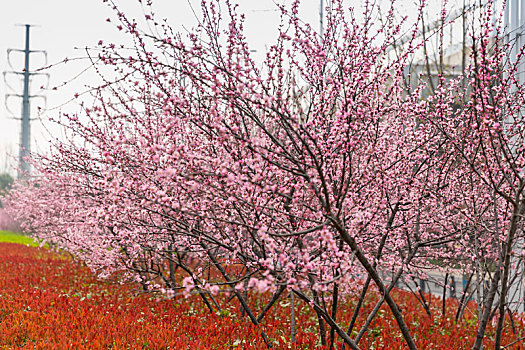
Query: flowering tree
x,y
316,172
486,139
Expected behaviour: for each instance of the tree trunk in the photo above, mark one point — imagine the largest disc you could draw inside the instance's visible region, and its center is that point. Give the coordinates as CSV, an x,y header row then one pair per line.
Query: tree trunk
x,y
372,272
507,250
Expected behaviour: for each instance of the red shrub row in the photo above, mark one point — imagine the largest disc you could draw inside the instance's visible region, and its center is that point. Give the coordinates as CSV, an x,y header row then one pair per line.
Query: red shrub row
x,y
48,301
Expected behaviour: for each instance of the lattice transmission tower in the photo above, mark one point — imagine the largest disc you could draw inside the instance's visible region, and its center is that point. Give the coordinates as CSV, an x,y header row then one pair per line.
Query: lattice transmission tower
x,y
25,117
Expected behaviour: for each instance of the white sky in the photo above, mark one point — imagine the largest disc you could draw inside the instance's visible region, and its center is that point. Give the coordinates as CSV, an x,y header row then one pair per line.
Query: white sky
x,y
66,24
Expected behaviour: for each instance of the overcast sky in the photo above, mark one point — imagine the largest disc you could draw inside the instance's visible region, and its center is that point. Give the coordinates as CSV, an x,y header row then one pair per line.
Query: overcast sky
x,y
63,25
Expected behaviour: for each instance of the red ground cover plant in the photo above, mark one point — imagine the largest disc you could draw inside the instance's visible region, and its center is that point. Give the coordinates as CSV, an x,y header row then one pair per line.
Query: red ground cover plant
x,y
49,301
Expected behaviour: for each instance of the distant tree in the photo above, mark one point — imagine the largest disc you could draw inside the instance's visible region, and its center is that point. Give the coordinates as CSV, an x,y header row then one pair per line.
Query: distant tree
x,y
6,181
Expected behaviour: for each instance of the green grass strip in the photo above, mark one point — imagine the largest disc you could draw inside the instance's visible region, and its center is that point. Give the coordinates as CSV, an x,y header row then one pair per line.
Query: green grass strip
x,y
14,237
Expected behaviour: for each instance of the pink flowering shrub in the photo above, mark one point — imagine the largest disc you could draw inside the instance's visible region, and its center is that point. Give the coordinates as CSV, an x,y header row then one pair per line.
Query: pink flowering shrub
x,y
7,223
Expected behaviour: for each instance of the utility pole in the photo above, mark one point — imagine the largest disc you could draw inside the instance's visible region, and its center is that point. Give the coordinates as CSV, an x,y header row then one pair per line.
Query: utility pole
x,y
321,17
515,36
25,132
25,143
